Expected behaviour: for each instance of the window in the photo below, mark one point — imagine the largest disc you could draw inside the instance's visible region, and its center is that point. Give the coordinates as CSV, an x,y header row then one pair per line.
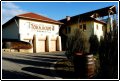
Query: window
x,y
97,26
80,26
102,28
68,30
84,27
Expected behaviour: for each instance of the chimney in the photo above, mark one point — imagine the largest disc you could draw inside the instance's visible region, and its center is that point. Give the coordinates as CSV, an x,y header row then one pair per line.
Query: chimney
x,y
68,18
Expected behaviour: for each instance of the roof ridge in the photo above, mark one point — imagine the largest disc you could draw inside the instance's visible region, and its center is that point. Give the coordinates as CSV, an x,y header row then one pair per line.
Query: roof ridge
x,y
24,13
35,16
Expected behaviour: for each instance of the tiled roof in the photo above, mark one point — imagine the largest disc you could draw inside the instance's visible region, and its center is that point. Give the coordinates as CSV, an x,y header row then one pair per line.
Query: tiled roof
x,y
34,16
87,16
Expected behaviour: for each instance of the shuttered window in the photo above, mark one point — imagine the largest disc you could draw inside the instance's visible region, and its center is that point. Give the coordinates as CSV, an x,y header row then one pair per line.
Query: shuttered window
x,y
80,26
84,27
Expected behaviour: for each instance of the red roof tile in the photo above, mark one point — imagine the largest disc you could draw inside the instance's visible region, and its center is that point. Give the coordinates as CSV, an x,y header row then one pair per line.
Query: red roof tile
x,y
34,16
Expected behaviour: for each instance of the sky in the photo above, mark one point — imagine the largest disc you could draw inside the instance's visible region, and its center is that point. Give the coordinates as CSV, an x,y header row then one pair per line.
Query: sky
x,y
53,10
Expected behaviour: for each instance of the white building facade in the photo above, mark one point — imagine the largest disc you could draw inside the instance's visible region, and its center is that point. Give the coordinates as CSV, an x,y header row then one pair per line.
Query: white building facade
x,y
41,32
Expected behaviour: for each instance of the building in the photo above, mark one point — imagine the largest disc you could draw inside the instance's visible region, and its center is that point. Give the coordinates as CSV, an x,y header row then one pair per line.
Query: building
x,y
91,23
41,32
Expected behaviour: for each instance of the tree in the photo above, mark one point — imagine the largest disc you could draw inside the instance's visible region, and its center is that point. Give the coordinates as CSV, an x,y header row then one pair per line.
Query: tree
x,y
108,54
94,44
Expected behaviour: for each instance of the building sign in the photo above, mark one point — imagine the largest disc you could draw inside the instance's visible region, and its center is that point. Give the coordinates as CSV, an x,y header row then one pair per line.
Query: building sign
x,y
41,27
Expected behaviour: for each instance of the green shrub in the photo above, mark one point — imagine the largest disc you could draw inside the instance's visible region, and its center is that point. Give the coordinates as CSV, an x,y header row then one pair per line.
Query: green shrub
x,y
75,43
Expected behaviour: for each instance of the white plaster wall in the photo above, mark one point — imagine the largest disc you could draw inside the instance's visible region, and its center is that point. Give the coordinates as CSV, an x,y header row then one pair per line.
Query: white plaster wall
x,y
26,31
11,31
25,27
99,31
